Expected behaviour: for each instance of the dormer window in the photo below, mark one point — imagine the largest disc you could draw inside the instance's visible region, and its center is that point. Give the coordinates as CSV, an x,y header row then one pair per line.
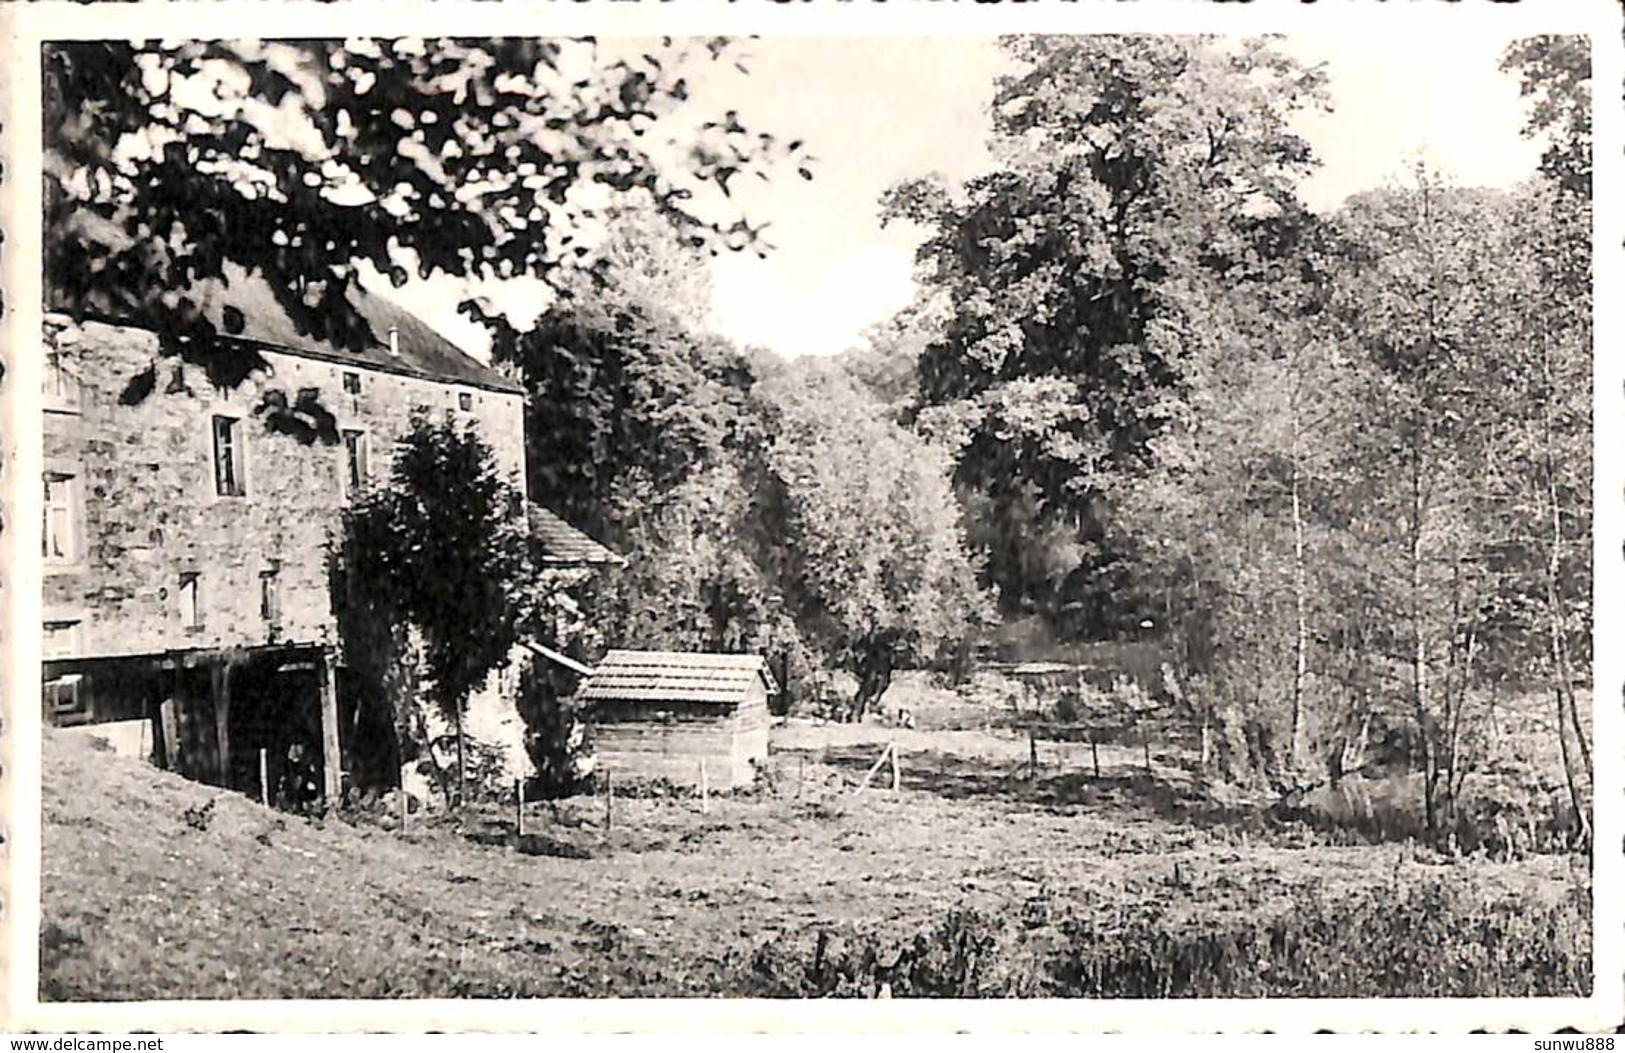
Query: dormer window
x,y
465,401
352,383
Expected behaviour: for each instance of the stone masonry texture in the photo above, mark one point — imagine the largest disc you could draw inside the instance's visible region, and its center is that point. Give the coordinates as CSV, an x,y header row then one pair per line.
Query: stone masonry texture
x,y
149,513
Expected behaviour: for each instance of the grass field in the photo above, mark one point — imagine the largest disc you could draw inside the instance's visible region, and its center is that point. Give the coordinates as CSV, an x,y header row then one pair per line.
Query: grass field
x,y
973,879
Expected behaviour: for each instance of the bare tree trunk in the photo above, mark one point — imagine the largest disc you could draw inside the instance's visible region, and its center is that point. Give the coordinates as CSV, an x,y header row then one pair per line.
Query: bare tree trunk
x,y
874,676
1419,661
1562,677
462,765
1575,799
1450,694
1456,773
1300,666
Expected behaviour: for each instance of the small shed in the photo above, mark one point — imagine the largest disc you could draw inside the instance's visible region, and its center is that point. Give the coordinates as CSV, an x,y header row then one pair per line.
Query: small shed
x,y
659,714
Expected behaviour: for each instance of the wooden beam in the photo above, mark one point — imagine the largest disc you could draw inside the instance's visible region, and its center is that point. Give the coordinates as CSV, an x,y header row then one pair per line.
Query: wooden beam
x,y
220,687
332,762
169,727
559,659
879,762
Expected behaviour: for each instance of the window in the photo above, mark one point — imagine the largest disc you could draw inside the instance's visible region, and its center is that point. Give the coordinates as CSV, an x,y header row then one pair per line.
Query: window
x,y
270,596
191,608
465,401
352,383
59,538
61,639
355,462
63,700
61,386
228,457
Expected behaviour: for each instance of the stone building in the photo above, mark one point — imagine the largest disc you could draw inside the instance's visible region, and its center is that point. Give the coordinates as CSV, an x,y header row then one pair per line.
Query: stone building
x,y
187,605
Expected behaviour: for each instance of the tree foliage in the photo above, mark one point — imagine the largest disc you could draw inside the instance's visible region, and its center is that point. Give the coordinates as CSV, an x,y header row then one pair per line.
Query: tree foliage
x,y
696,579
620,388
1132,172
874,558
1378,516
1554,73
442,547
313,162
1338,464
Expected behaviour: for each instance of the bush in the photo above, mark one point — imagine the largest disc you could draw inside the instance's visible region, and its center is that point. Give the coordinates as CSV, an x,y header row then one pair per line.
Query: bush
x,y
1498,816
555,738
956,958
485,768
1432,939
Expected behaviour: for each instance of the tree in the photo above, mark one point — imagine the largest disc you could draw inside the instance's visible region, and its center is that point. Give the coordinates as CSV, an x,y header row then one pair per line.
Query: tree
x,y
313,162
1556,258
1234,518
1474,448
443,547
694,579
555,738
874,557
639,261
1555,73
1133,171
619,388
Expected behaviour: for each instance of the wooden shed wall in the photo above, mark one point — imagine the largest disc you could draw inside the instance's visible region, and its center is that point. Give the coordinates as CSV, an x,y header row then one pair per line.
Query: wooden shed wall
x,y
629,739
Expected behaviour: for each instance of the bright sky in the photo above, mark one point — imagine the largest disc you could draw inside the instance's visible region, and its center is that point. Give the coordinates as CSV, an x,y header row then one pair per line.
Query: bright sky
x,y
875,111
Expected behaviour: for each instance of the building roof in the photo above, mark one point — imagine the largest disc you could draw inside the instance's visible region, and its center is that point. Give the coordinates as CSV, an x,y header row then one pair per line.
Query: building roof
x,y
676,676
562,545
423,350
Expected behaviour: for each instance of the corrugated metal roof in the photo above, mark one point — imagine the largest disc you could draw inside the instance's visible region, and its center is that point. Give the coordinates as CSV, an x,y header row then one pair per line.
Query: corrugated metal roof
x,y
676,676
562,545
423,350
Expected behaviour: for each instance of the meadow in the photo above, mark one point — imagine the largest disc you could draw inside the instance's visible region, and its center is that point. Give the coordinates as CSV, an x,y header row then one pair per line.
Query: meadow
x,y
976,877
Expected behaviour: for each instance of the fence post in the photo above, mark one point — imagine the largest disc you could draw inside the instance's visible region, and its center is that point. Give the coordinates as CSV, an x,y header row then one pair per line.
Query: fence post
x,y
265,785
1032,752
609,800
1094,752
519,806
873,769
1145,746
404,809
896,776
705,790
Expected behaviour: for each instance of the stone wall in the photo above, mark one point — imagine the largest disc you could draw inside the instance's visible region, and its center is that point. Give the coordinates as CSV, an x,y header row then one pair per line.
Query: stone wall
x,y
143,480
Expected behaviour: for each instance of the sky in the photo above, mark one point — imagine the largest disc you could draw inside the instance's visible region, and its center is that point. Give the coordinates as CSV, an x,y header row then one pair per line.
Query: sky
x,y
875,111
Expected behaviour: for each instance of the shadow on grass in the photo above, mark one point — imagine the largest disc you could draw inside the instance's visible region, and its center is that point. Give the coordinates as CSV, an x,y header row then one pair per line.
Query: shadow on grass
x,y
1175,796
1065,790
1119,791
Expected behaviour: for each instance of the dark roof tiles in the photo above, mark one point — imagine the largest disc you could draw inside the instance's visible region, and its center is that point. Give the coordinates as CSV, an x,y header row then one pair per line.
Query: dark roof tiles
x,y
562,545
422,349
676,676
